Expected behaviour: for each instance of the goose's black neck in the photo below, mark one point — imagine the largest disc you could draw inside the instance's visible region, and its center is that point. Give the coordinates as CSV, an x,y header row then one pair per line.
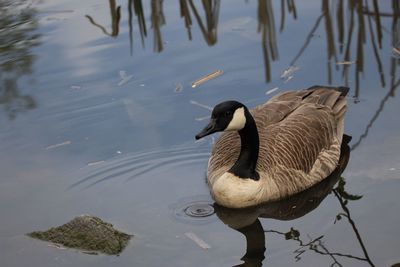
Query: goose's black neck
x,y
245,166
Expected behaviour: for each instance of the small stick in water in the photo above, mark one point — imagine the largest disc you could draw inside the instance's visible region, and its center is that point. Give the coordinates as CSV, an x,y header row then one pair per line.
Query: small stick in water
x,y
95,162
207,78
271,91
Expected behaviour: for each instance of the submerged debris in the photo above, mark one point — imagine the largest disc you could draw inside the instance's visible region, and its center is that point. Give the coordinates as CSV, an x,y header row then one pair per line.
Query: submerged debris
x,y
207,78
200,242
124,77
200,105
58,145
287,74
178,88
86,233
75,87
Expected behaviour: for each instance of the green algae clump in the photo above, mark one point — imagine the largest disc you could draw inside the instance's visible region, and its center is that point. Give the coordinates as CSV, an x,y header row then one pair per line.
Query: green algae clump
x,y
87,233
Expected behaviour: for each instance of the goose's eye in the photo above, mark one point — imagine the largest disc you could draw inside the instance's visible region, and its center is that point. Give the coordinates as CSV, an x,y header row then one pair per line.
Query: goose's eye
x,y
228,113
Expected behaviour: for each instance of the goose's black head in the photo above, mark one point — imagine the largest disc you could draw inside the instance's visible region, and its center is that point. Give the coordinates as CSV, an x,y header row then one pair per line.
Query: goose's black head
x,y
226,116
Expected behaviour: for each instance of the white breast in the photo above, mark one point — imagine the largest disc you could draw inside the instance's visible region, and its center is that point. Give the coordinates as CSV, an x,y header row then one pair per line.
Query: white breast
x,y
232,191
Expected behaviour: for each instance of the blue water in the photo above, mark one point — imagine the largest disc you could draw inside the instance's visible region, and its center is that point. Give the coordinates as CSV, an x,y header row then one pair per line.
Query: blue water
x,y
92,122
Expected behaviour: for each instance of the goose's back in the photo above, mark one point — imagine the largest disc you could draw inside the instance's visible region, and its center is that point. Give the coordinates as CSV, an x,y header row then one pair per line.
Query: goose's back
x,y
300,134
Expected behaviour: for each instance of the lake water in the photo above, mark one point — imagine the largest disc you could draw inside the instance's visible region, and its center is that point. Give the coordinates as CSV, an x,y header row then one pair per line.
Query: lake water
x,y
98,116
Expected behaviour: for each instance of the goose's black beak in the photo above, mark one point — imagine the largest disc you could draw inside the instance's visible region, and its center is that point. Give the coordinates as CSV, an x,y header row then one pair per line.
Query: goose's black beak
x,y
209,129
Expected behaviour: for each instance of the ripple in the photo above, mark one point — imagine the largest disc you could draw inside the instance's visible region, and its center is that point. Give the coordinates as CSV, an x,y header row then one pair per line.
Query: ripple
x,y
132,166
197,210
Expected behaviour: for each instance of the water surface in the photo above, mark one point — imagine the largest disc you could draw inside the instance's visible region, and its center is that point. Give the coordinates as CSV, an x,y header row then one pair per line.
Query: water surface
x,y
98,115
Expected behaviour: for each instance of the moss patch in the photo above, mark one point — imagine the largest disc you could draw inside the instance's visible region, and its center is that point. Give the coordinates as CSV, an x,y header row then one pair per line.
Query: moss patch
x,y
86,233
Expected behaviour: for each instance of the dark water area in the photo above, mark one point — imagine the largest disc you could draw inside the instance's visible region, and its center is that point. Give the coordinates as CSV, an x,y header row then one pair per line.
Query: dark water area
x,y
98,115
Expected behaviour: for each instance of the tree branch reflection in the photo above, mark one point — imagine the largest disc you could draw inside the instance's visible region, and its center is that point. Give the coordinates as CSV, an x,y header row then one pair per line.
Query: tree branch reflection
x,y
17,37
376,115
115,18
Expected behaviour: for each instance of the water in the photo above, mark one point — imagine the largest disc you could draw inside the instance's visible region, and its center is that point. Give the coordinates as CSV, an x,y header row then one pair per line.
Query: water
x,y
98,115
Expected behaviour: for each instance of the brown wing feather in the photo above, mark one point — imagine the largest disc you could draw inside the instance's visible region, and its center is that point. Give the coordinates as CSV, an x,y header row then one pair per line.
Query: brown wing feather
x,y
297,141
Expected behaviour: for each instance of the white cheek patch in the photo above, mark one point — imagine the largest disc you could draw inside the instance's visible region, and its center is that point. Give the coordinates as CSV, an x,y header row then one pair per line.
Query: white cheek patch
x,y
238,121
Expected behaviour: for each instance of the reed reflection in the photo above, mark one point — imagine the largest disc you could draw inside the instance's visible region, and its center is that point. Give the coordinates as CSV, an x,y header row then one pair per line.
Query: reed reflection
x,y
246,221
209,28
157,20
188,11
266,25
355,24
18,37
350,28
135,6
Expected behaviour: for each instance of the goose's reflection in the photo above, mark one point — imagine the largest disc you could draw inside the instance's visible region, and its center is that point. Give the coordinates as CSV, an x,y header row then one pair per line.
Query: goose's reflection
x,y
246,221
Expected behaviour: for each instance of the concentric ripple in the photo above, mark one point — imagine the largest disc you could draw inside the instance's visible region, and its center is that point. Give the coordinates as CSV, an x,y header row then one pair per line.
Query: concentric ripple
x,y
132,166
197,210
194,210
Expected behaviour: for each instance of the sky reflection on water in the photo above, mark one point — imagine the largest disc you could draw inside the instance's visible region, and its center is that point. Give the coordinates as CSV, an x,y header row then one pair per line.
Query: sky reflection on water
x,y
98,116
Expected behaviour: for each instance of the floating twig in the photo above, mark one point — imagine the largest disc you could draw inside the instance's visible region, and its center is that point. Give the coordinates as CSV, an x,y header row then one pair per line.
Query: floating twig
x,y
207,78
95,162
271,91
345,62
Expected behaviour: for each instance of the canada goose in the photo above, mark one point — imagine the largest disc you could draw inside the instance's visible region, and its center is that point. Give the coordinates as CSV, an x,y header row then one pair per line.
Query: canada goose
x,y
276,149
290,208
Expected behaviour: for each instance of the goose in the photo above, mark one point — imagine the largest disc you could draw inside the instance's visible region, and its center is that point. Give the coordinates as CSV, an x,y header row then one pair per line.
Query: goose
x,y
276,149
